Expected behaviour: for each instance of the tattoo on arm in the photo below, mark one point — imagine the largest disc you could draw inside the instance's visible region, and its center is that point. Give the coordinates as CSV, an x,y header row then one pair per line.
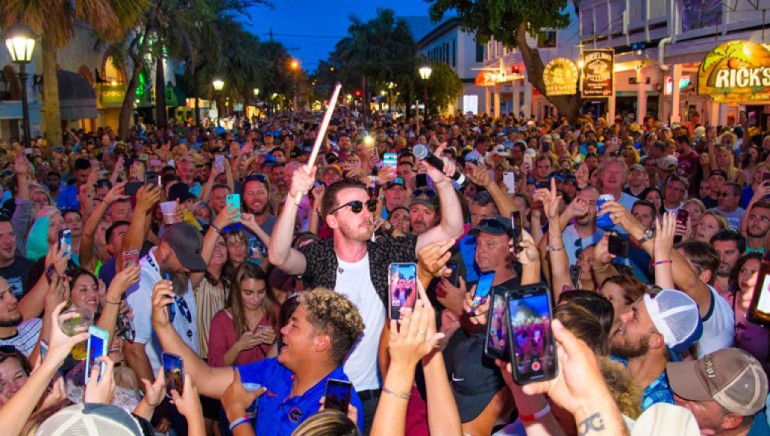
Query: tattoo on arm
x,y
590,424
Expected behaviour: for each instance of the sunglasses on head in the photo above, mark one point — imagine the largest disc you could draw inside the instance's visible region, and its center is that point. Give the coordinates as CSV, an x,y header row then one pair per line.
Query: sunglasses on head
x,y
427,193
357,206
493,223
257,177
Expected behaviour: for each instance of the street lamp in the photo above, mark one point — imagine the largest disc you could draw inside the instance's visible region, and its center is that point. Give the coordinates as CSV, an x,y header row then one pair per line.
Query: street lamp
x,y
20,41
425,72
294,67
218,85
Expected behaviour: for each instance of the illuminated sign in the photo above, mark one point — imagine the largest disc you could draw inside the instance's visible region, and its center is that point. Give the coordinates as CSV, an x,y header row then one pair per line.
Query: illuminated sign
x,y
485,78
736,72
560,77
598,67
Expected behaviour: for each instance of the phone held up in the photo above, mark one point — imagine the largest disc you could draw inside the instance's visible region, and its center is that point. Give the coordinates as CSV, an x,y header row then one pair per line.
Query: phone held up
x,y
681,221
496,343
618,246
65,241
759,309
402,283
516,227
173,370
234,202
97,347
531,346
483,287
338,394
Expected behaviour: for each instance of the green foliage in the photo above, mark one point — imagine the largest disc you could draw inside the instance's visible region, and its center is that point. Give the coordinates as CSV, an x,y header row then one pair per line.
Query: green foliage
x,y
444,86
501,18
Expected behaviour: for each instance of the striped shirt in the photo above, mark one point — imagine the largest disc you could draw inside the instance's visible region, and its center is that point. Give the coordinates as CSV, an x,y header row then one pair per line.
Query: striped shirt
x,y
210,299
26,336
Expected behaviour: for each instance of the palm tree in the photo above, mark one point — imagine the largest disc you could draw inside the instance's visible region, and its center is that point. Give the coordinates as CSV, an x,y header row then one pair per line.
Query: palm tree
x,y
55,21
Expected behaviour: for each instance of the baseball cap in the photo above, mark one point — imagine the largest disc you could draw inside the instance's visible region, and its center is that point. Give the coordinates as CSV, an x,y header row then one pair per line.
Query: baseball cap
x,y
718,173
425,197
494,225
732,377
269,160
93,419
475,378
398,181
676,317
667,163
636,167
180,191
187,244
500,150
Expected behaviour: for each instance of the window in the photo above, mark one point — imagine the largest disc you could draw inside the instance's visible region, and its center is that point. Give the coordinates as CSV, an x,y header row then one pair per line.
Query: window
x,y
479,53
546,39
454,53
446,52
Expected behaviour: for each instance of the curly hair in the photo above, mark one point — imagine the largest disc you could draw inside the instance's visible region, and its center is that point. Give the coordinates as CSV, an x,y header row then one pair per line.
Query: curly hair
x,y
334,315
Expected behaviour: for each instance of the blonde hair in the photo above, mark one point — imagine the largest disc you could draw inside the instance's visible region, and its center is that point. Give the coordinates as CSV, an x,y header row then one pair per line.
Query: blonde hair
x,y
327,422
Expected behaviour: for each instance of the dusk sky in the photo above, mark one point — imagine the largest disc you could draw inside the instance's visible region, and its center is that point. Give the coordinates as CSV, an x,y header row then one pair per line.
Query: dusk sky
x,y
313,27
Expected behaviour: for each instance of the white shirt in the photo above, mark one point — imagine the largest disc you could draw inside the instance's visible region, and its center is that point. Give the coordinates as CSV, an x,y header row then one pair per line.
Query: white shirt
x,y
718,326
139,297
354,281
570,237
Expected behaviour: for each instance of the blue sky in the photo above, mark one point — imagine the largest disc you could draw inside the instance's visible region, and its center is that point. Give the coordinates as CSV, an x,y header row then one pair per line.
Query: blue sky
x,y
312,27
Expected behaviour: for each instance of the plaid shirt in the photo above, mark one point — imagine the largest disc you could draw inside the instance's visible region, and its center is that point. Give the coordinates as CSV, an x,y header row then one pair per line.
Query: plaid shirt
x,y
657,392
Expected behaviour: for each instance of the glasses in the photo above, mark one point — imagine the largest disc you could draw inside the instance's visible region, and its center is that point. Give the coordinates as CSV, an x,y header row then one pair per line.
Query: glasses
x,y
428,193
357,206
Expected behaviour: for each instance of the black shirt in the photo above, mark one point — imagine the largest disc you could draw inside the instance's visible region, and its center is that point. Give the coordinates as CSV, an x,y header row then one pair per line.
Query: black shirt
x,y
17,275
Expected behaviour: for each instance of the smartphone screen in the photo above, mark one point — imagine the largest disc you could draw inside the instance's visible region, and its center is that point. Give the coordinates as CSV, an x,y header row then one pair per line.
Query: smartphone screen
x,y
338,394
152,178
510,182
618,246
531,346
173,369
403,287
681,220
575,273
234,202
65,241
421,180
390,160
97,347
496,345
766,177
483,287
219,163
454,278
132,188
516,227
130,257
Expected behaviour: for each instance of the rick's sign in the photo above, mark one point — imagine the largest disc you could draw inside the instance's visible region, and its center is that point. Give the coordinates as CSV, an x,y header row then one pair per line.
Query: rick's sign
x,y
736,72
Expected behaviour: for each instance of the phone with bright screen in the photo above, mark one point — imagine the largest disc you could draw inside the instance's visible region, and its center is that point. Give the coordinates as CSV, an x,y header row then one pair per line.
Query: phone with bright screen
x,y
173,370
390,160
496,344
483,287
97,347
531,346
402,280
65,241
234,202
516,227
338,394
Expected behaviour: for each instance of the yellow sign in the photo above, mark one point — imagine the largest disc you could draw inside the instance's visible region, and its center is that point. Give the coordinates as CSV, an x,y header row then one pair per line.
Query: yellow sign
x,y
486,78
736,72
560,77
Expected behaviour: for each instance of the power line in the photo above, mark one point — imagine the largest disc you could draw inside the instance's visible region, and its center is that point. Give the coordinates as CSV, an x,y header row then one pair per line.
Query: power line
x,y
292,35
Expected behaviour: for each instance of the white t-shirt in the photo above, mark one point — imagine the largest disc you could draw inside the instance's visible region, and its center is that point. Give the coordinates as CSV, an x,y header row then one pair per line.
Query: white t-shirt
x,y
570,237
139,297
354,281
718,326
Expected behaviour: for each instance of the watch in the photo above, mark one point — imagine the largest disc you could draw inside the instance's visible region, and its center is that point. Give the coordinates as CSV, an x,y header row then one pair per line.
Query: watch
x,y
646,236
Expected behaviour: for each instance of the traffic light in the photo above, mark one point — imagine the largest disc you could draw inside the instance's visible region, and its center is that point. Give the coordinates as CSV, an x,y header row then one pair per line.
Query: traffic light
x,y
638,47
358,93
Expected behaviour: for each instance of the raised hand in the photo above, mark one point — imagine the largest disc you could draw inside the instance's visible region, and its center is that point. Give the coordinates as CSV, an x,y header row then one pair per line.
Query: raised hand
x,y
155,392
433,257
162,296
101,387
665,228
236,399
528,252
302,181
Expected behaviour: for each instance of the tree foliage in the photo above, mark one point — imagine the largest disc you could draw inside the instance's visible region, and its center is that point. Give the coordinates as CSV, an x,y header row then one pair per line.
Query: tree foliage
x,y
444,86
510,21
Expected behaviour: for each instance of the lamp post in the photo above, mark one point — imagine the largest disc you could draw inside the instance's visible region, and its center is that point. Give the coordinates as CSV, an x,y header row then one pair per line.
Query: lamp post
x,y
218,85
425,75
295,68
20,41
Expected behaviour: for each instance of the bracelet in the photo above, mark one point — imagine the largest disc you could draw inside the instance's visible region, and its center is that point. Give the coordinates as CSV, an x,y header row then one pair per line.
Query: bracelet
x,y
111,302
215,228
396,394
663,262
550,247
537,415
239,421
593,266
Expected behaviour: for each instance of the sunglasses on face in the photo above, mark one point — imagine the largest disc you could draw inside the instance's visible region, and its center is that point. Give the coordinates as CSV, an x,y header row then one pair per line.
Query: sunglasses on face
x,y
357,206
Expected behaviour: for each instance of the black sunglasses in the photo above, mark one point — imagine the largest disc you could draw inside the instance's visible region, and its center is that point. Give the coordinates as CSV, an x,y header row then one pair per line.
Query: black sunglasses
x,y
257,177
357,206
428,193
493,223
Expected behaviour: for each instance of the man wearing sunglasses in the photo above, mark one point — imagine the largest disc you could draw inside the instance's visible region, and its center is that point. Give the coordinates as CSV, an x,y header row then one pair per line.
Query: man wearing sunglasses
x,y
351,264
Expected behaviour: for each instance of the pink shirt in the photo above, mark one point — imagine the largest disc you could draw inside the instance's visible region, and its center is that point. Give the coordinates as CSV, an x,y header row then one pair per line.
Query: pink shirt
x,y
222,336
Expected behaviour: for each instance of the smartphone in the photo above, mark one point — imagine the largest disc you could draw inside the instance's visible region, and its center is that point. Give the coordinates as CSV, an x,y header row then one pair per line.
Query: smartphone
x,y
234,202
681,220
516,227
338,394
219,164
98,346
132,188
496,344
173,369
152,178
454,278
421,180
256,246
575,274
527,160
618,246
65,241
531,348
50,273
483,287
402,282
766,177
43,349
130,257
509,180
390,160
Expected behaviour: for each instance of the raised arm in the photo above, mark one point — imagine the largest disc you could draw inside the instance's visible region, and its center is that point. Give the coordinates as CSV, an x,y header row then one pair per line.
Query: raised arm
x,y
118,287
224,218
451,225
555,245
480,176
279,251
88,258
146,198
664,239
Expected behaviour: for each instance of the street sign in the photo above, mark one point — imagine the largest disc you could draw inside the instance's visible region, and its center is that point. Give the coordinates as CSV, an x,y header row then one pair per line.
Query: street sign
x,y
598,76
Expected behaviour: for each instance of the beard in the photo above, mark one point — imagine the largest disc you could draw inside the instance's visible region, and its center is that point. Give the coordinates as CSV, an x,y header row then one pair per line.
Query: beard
x,y
11,322
622,347
179,282
755,234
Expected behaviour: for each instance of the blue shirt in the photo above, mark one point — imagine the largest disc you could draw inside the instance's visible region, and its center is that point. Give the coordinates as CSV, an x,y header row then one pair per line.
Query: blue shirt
x,y
278,412
68,198
658,391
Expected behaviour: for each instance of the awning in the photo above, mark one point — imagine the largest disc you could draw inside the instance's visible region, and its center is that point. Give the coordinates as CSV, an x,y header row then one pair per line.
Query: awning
x,y
77,99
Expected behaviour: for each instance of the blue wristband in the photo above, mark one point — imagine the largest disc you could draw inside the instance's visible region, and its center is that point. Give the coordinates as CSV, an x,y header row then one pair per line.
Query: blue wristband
x,y
239,421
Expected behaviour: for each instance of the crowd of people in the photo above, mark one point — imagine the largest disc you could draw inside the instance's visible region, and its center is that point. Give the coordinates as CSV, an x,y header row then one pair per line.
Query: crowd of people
x,y
269,275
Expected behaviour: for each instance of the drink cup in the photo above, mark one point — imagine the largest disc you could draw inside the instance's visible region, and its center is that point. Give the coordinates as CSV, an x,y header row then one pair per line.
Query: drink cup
x,y
168,209
73,321
604,222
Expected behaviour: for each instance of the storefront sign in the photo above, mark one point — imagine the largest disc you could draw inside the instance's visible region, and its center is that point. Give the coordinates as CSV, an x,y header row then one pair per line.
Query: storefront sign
x,y
598,74
736,72
113,94
560,77
486,78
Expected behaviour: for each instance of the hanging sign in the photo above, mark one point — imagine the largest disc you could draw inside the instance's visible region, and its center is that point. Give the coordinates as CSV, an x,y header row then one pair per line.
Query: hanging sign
x,y
598,73
736,72
560,77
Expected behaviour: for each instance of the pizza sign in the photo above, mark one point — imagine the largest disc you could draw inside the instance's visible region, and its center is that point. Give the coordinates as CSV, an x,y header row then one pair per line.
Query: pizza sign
x,y
598,68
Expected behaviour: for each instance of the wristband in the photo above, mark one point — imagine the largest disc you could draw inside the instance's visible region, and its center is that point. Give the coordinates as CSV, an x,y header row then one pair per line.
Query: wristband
x,y
663,262
216,229
396,394
552,248
537,415
239,421
111,302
